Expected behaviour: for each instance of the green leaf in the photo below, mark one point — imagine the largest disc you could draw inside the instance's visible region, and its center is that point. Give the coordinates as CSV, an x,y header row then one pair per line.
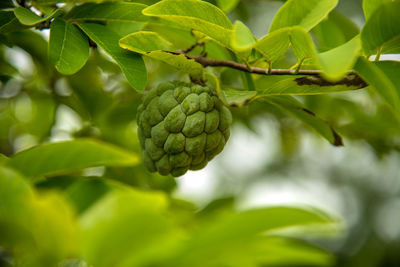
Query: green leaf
x,y
215,83
27,17
194,14
131,64
382,27
369,6
375,76
273,45
392,47
180,62
63,157
152,45
189,9
143,42
294,107
334,31
391,70
302,45
68,47
227,5
124,28
121,11
306,14
8,22
238,98
242,39
179,37
337,62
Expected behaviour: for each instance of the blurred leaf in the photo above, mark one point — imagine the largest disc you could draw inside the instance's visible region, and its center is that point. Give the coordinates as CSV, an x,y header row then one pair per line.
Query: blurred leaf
x,y
8,22
295,108
334,31
35,45
306,14
121,12
217,206
7,70
60,183
6,4
14,188
242,38
227,5
337,62
382,27
229,232
55,158
44,9
131,64
126,228
73,263
369,6
3,158
277,251
68,47
41,113
89,99
143,42
27,17
85,192
39,231
274,44
139,177
376,77
194,14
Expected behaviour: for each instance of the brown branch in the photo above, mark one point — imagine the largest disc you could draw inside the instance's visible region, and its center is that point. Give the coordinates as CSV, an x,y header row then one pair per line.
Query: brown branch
x,y
313,77
187,50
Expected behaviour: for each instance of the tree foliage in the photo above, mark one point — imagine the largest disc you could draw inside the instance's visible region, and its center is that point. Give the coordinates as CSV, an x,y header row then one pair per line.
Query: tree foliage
x,y
88,200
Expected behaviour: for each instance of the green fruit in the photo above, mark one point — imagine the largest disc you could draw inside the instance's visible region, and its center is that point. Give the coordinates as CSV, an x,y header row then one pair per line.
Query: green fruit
x,y
181,126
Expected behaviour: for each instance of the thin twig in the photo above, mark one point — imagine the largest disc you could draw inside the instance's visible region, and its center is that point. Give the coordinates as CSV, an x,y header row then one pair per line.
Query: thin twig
x,y
315,76
189,49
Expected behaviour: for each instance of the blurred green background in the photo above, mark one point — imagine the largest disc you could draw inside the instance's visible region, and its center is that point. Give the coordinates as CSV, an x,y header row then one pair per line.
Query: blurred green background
x,y
270,159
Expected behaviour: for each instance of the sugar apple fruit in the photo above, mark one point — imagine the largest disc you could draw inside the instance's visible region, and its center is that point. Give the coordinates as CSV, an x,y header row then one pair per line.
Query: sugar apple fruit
x,y
181,126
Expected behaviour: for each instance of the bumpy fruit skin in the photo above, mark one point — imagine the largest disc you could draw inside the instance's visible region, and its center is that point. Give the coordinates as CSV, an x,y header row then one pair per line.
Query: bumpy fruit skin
x,y
181,126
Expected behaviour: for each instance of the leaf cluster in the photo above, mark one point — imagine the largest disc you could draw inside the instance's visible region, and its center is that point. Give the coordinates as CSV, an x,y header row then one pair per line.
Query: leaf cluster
x,y
318,37
90,221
